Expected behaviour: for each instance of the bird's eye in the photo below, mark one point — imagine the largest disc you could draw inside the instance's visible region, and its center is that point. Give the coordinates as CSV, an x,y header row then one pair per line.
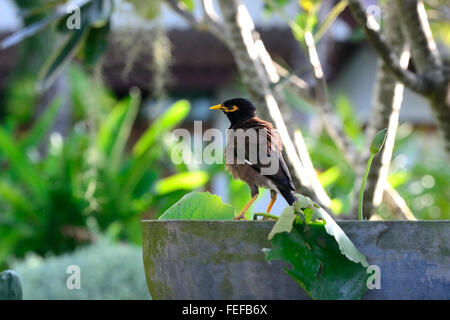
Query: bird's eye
x,y
232,108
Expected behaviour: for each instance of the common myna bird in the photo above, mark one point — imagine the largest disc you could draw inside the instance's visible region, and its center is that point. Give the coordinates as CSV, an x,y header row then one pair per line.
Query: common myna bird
x,y
254,170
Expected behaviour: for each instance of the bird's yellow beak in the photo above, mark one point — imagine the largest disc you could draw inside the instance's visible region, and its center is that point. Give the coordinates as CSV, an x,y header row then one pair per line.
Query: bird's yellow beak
x,y
218,107
223,108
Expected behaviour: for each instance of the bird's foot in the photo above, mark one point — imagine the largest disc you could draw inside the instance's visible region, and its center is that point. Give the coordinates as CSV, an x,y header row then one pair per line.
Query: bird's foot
x,y
240,217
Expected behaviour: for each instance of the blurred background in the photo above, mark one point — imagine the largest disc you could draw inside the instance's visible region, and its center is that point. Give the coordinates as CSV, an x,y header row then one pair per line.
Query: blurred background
x,y
85,142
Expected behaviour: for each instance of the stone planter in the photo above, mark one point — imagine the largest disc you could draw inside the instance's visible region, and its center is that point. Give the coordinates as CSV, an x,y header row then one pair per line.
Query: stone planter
x,y
223,259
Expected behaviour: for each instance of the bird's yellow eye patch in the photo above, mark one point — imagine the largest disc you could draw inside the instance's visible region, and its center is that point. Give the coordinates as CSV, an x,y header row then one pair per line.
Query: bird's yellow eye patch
x,y
231,109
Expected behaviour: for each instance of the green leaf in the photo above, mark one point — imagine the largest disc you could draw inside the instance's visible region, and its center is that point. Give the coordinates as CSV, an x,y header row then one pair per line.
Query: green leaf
x,y
189,4
330,176
316,263
174,115
115,130
20,166
182,181
23,208
55,64
322,259
26,32
331,17
284,222
199,206
43,125
143,152
95,44
332,228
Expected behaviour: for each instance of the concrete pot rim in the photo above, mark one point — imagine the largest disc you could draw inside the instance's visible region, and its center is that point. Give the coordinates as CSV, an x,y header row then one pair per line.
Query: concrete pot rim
x,y
148,221
175,250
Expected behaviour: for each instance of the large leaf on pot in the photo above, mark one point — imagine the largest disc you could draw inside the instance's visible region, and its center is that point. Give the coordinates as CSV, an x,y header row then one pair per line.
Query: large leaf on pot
x,y
199,206
321,258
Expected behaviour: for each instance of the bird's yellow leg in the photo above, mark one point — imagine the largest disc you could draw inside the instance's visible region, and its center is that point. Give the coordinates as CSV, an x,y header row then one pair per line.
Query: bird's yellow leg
x,y
271,203
242,213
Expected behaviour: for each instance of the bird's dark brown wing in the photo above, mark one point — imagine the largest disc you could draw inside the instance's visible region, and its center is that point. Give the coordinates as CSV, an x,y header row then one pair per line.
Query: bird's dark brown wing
x,y
272,146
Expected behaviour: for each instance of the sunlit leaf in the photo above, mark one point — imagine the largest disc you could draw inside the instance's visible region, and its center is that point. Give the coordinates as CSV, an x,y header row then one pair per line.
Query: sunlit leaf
x,y
331,17
182,181
143,152
115,130
174,115
189,4
284,222
329,176
199,206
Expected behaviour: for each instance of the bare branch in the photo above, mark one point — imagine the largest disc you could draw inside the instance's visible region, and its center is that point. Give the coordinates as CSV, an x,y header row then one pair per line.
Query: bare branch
x,y
294,83
396,204
378,42
427,60
418,32
331,122
212,20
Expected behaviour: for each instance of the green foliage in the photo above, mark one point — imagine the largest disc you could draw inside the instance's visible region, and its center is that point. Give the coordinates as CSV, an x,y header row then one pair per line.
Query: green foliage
x,y
322,259
108,271
90,39
306,20
420,173
50,189
199,206
189,4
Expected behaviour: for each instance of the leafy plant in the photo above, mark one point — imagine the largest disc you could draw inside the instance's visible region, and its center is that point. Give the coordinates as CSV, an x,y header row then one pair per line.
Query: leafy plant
x,y
52,187
88,40
322,259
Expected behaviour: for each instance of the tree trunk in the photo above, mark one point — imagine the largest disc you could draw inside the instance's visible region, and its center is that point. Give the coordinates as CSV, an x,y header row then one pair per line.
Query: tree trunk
x,y
386,104
427,61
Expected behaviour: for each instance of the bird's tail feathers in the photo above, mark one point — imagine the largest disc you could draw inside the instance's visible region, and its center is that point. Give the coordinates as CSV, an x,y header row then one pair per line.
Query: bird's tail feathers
x,y
289,195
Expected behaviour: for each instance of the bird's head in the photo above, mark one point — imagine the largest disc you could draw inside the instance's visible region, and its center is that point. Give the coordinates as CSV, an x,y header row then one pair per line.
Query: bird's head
x,y
237,110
